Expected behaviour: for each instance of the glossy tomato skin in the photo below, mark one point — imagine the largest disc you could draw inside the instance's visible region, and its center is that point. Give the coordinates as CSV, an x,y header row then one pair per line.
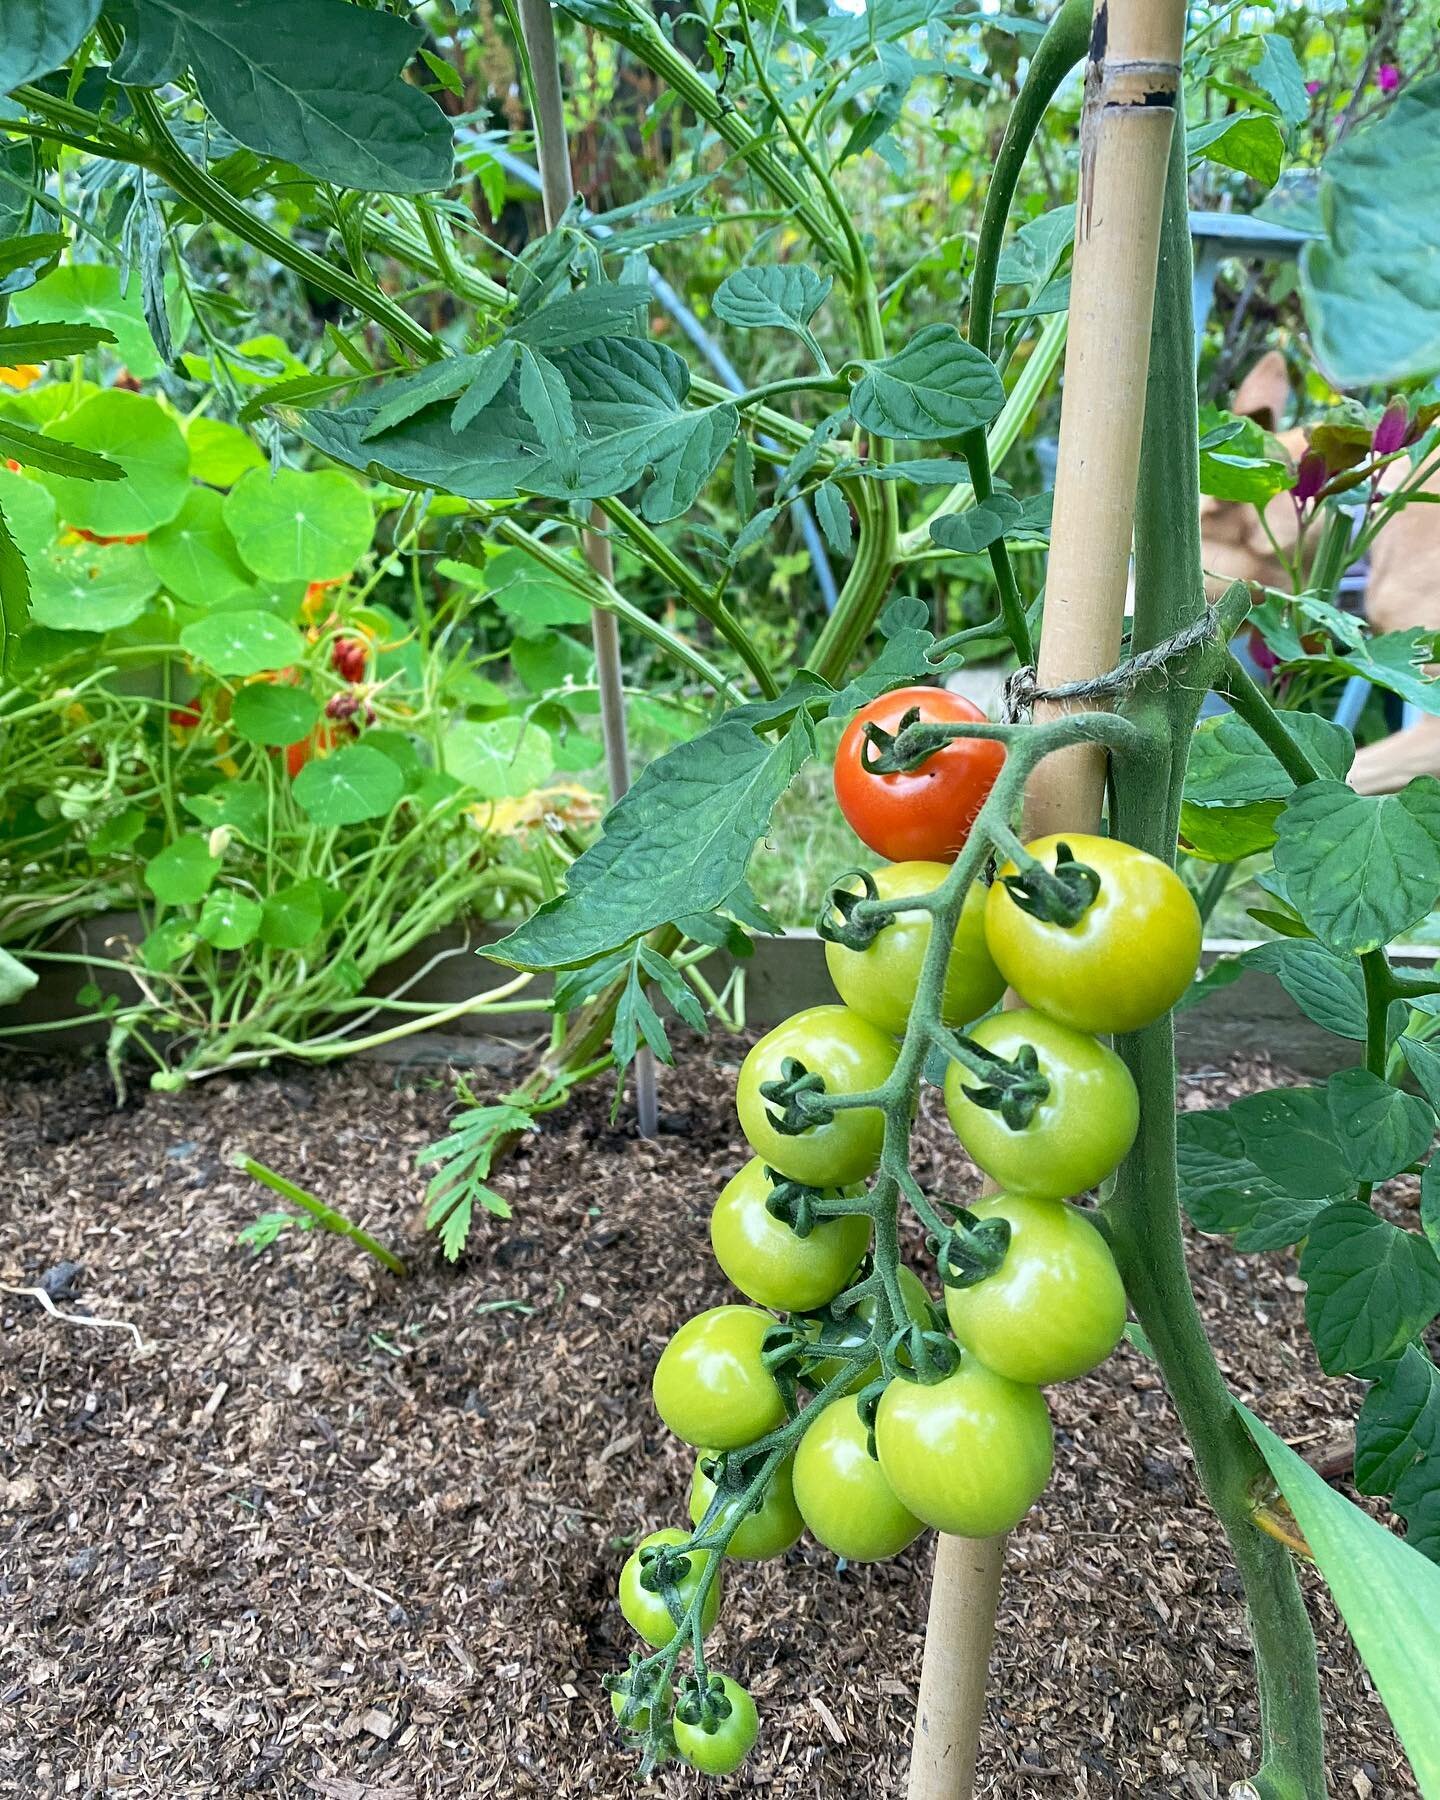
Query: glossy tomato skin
x,y
710,1386
856,1328
924,815
646,1612
880,981
853,1056
969,1455
768,1531
1128,958
1055,1308
721,1751
1077,1135
842,1492
763,1257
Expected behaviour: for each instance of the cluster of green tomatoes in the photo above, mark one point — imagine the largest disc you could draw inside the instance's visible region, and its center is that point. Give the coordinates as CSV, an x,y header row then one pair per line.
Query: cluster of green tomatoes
x,y
920,1414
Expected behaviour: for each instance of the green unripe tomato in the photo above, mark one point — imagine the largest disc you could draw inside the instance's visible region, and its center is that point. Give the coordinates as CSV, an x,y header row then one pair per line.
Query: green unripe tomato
x,y
711,1386
646,1611
969,1455
880,982
764,1258
770,1529
852,1056
1076,1136
1126,960
1055,1308
640,1721
721,1750
856,1327
842,1492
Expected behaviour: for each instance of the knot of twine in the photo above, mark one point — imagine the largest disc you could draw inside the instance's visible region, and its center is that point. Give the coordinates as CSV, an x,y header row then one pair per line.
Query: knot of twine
x,y
1022,690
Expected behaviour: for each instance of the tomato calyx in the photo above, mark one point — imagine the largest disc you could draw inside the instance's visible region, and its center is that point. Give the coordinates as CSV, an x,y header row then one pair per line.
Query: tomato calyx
x,y
703,1702
1013,1088
800,1095
662,1568
971,1250
1061,896
850,919
637,1692
912,743
800,1207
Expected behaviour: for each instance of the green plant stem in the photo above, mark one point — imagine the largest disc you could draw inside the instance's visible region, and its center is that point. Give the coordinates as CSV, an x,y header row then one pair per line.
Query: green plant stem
x,y
1143,1212
325,1216
1213,891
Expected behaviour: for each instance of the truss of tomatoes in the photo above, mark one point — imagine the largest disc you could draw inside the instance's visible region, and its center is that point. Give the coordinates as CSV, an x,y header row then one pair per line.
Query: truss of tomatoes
x,y
966,1451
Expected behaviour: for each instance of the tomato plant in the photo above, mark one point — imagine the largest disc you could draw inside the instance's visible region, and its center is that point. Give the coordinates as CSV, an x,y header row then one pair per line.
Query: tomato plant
x,y
763,1529
923,814
825,1047
711,1383
658,1585
842,1493
717,1731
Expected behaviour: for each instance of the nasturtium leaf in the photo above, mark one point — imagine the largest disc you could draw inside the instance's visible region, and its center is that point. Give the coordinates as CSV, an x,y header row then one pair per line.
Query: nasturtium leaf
x,y
219,453
1371,284
316,83
15,979
229,919
1327,988
1229,765
1223,1191
291,917
137,433
182,873
1387,1594
553,661
273,714
169,943
30,512
1289,1135
347,787
1360,869
530,596
1399,1424
300,526
783,296
1380,1128
241,806
679,842
936,386
79,586
194,556
499,758
242,643
1371,1287
34,39
90,294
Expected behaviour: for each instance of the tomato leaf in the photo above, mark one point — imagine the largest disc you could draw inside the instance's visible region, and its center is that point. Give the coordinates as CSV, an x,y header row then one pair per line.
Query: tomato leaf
x,y
1371,1287
936,386
1223,1191
14,589
1360,869
1380,1128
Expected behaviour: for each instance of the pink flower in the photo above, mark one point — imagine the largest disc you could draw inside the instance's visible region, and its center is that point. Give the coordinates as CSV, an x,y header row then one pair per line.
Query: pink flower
x,y
1312,88
1393,429
1387,78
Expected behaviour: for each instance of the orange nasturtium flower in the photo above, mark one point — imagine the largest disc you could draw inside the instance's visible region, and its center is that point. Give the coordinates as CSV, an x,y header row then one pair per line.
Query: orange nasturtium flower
x,y
20,376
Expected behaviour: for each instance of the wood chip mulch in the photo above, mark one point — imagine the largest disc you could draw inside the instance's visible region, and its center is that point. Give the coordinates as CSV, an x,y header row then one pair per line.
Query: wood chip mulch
x,y
334,1535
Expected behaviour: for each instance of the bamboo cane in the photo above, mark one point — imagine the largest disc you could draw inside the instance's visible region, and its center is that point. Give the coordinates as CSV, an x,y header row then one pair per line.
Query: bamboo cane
x,y
1131,81
537,25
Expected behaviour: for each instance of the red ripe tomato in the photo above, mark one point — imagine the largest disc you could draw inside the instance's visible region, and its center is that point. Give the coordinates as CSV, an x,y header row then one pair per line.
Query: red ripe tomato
x,y
925,814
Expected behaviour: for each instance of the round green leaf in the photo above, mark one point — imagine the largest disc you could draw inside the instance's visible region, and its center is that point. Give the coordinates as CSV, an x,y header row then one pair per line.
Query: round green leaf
x,y
29,512
292,918
140,435
270,714
89,294
195,556
499,758
229,920
220,454
90,587
300,527
353,784
182,873
242,643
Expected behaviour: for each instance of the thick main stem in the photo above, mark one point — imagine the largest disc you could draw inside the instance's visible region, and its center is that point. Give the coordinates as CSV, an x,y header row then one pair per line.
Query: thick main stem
x,y
538,25
1125,137
1144,1212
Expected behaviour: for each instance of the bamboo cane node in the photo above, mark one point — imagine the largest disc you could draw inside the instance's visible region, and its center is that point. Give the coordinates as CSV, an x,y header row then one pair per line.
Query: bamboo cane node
x,y
1139,83
1022,690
